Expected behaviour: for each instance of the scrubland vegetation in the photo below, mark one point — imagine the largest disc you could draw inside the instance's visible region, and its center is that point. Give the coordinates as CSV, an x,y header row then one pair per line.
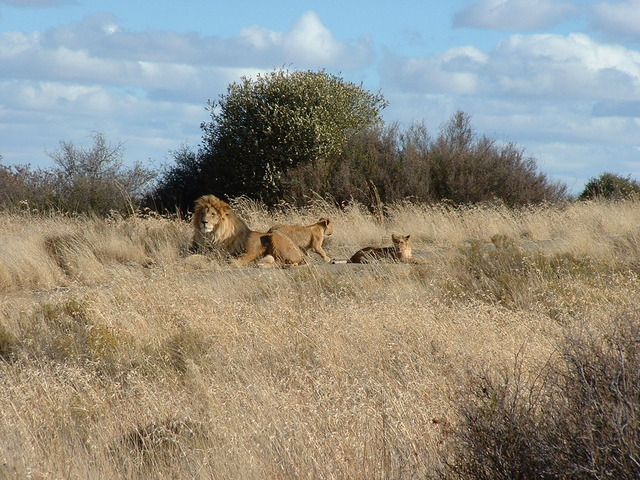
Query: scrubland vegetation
x,y
511,350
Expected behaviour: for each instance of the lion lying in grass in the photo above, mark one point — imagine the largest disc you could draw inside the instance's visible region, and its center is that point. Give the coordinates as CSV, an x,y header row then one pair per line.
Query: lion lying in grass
x,y
309,237
399,252
282,249
216,225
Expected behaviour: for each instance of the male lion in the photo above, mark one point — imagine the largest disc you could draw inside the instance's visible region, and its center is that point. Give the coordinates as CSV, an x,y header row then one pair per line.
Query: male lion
x,y
216,225
400,251
308,237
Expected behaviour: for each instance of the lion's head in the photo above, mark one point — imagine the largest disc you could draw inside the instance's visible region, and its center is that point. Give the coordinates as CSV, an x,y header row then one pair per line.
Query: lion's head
x,y
216,225
210,213
328,225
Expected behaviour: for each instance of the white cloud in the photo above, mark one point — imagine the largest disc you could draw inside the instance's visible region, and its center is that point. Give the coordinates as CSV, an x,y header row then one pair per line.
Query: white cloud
x,y
37,115
618,19
310,40
97,50
545,66
260,38
572,66
308,43
13,44
453,71
514,15
148,87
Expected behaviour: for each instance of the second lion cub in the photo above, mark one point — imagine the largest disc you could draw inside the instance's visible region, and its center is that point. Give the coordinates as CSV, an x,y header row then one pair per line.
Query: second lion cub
x,y
309,236
400,251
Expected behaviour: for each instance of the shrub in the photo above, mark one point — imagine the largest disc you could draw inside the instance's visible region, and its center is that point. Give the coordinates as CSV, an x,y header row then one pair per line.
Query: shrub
x,y
179,184
24,187
264,126
94,180
610,185
470,169
371,164
577,419
84,180
458,167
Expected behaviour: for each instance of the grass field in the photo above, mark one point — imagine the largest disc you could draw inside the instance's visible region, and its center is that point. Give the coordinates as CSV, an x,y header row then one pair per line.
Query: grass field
x,y
121,356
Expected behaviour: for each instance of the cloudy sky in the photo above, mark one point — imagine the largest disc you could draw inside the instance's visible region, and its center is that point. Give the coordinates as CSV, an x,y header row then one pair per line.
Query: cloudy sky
x,y
560,78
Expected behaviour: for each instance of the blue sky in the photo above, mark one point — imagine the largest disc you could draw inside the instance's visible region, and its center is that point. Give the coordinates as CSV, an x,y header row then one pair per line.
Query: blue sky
x,y
559,78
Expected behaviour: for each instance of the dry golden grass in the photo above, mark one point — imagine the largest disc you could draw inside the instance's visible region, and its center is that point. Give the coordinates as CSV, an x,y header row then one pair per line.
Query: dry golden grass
x,y
123,357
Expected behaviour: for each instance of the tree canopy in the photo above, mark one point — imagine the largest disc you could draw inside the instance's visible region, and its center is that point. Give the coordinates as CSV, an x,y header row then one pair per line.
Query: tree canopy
x,y
264,126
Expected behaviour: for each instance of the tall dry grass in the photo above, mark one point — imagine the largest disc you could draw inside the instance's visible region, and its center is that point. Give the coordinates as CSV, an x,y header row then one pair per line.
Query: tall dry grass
x,y
122,356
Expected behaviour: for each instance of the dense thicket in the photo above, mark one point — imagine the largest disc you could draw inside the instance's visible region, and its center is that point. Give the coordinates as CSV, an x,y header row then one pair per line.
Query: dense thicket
x,y
458,166
383,164
263,127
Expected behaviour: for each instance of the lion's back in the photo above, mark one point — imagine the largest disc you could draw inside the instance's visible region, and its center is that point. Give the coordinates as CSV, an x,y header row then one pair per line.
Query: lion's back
x,y
301,235
283,249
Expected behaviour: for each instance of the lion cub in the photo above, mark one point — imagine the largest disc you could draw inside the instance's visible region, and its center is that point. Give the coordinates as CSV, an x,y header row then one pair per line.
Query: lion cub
x,y
309,236
282,249
400,251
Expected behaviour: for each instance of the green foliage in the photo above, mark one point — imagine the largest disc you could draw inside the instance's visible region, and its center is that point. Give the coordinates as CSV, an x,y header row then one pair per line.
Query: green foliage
x,y
612,186
264,126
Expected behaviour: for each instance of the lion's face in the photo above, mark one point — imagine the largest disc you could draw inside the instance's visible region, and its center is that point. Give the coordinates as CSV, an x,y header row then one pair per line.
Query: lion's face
x,y
402,243
210,213
329,226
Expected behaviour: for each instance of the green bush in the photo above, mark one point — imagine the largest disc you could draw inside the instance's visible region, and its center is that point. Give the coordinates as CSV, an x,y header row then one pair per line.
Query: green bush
x,y
263,127
612,186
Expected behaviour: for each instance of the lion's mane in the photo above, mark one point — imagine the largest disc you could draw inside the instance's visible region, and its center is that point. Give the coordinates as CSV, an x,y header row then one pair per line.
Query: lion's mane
x,y
226,230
